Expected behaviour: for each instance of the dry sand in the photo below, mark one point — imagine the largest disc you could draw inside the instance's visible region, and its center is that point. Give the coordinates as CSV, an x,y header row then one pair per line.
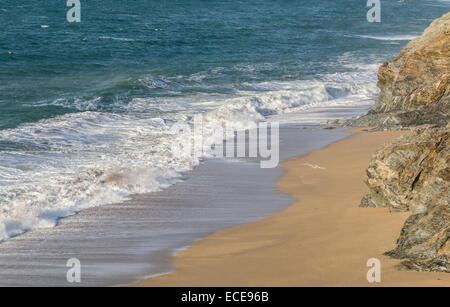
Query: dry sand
x,y
323,239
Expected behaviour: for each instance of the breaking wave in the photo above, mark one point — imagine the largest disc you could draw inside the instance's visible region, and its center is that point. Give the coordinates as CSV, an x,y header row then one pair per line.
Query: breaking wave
x,y
57,167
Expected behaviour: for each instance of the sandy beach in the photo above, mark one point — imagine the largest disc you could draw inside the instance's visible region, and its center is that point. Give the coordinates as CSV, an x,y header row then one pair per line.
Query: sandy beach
x,y
224,144
323,239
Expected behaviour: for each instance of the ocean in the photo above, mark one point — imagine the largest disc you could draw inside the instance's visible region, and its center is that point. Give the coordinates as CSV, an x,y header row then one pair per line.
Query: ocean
x,y
85,102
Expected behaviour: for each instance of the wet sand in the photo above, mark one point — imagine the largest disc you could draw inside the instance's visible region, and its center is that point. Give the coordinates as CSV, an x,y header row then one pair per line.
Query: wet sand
x,y
323,239
120,244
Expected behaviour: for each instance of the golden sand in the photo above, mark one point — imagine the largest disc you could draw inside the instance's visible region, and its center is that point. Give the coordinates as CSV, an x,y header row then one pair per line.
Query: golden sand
x,y
323,239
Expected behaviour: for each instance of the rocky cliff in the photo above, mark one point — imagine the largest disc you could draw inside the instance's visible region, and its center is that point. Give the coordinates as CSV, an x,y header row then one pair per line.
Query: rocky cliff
x,y
413,173
415,85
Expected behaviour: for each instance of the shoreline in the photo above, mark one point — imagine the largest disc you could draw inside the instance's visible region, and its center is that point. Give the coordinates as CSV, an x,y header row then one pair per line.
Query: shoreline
x,y
123,243
310,243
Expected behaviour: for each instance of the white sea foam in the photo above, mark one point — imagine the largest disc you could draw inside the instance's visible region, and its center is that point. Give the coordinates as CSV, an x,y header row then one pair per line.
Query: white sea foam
x,y
314,166
87,159
390,38
123,39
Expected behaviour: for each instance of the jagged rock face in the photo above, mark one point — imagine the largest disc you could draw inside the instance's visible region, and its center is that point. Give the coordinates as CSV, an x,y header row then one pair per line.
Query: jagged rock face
x,y
438,264
425,235
415,85
413,174
418,77
407,174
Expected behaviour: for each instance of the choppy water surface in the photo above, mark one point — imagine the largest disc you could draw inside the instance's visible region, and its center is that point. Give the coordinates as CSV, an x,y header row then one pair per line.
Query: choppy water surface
x,y
83,103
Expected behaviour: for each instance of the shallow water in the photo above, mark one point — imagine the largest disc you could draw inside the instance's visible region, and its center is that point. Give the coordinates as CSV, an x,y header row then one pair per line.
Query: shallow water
x,y
122,243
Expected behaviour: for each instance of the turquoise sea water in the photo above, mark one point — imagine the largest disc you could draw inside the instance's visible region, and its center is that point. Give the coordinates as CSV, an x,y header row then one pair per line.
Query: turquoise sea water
x,y
80,102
